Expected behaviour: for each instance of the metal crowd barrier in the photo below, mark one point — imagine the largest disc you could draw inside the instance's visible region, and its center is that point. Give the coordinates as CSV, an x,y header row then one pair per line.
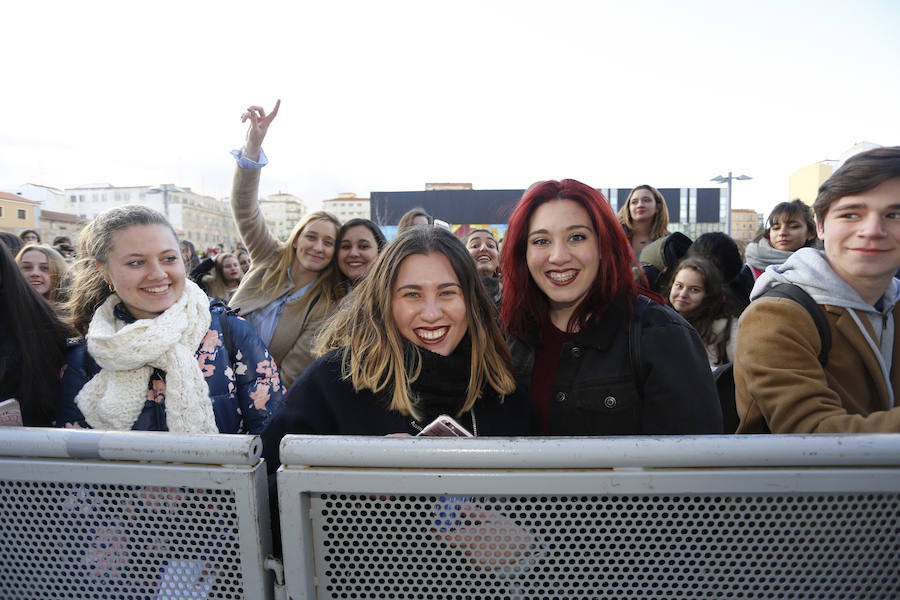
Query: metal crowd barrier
x,y
132,515
630,517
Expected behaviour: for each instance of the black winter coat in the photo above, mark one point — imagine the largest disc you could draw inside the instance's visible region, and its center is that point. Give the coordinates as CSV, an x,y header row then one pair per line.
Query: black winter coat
x,y
670,391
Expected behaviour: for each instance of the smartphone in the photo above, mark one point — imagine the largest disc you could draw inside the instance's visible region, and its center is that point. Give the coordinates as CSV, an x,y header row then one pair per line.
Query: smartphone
x,y
444,426
442,225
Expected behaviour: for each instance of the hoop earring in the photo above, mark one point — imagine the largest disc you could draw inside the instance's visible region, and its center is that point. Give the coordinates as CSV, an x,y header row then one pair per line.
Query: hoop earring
x,y
112,290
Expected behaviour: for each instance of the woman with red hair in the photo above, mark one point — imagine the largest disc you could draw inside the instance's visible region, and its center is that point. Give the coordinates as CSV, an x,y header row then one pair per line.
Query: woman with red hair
x,y
599,357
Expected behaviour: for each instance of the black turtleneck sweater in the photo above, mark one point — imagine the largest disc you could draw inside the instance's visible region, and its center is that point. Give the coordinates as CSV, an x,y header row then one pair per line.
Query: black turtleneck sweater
x,y
320,402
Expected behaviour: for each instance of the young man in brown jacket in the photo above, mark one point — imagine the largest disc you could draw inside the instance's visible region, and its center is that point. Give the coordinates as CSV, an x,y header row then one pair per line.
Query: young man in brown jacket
x,y
780,384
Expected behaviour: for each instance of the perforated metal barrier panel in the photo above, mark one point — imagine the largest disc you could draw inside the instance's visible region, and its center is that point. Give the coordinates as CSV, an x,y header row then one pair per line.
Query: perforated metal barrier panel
x,y
688,525
71,540
125,530
609,546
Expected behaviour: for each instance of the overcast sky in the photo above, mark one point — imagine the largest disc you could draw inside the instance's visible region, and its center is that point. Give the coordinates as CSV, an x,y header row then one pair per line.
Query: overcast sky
x,y
387,95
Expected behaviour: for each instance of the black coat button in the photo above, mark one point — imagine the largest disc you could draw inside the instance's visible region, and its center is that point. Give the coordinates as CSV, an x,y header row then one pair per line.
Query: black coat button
x,y
576,352
610,402
560,396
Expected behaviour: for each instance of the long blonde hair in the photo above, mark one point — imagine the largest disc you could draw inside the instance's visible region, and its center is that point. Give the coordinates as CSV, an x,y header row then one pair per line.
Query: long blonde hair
x,y
58,268
373,349
659,226
216,287
89,288
326,285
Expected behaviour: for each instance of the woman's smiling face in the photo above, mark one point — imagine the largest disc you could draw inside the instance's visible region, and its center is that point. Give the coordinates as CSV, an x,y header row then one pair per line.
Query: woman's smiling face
x,y
428,305
483,248
314,246
145,269
357,251
563,255
35,267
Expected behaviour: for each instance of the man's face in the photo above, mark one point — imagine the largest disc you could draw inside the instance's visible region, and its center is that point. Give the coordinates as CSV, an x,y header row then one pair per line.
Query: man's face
x,y
862,238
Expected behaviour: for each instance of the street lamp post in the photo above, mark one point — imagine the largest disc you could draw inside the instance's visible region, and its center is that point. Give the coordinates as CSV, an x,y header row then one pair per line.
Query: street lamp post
x,y
164,190
720,179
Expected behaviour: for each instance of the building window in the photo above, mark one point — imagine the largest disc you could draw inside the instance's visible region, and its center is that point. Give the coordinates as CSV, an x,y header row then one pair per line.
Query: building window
x,y
20,213
1,211
73,198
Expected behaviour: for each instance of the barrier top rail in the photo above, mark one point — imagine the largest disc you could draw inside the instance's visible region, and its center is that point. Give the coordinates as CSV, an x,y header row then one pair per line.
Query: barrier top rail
x,y
206,449
708,451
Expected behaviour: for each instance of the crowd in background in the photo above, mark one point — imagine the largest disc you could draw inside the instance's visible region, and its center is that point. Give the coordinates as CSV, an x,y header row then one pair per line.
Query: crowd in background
x,y
579,322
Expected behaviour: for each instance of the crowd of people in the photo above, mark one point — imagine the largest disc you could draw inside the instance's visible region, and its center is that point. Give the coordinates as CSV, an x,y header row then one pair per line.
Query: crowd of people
x,y
579,322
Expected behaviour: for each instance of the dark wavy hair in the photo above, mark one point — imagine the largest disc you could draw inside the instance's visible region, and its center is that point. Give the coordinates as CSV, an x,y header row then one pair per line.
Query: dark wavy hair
x,y
524,306
12,242
22,235
783,211
380,240
39,338
714,305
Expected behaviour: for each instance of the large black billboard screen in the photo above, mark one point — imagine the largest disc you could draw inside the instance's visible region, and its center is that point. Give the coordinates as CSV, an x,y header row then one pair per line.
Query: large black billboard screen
x,y
452,206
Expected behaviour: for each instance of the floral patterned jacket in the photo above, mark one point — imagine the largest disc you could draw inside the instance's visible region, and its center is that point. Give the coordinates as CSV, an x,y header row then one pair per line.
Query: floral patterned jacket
x,y
245,389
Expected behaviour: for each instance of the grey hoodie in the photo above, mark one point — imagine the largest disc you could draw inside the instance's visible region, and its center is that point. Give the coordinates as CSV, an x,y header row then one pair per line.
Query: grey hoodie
x,y
809,269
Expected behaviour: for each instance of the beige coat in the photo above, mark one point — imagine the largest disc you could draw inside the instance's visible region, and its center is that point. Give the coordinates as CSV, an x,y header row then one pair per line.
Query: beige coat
x,y
780,385
292,342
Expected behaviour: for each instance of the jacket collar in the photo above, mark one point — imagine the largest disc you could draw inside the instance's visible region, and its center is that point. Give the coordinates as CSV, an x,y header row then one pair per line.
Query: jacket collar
x,y
600,332
855,338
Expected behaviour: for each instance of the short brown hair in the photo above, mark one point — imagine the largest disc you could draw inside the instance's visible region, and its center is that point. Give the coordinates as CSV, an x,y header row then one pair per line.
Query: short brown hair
x,y
861,173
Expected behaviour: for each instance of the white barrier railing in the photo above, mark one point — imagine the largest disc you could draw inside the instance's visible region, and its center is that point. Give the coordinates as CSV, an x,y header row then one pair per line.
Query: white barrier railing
x,y
116,515
628,517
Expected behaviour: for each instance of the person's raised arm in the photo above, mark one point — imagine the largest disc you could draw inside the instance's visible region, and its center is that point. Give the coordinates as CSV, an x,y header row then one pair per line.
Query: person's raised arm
x,y
250,222
259,125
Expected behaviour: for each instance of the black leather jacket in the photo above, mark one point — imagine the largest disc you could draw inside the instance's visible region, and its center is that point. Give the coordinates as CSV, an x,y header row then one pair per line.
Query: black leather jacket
x,y
606,385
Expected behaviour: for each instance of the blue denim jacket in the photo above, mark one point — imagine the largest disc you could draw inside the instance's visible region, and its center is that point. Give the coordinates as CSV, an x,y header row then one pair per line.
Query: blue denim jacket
x,y
245,389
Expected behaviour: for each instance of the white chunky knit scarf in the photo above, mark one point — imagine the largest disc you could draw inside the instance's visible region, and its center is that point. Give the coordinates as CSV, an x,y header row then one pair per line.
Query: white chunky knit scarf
x,y
114,397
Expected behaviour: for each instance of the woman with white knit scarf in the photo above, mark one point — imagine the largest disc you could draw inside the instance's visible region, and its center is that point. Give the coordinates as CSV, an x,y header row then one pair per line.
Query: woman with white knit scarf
x,y
790,226
154,355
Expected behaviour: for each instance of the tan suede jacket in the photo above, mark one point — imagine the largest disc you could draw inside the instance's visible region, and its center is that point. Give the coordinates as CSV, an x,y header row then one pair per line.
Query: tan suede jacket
x,y
781,387
291,345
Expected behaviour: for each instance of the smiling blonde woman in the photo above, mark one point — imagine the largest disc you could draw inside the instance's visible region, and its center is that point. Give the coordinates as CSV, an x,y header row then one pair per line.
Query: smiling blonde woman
x,y
292,287
154,354
417,339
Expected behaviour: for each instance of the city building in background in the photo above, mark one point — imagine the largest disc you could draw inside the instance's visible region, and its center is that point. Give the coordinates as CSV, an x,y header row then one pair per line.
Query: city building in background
x,y
692,211
203,220
745,224
347,206
437,187
282,212
804,183
53,223
49,198
17,213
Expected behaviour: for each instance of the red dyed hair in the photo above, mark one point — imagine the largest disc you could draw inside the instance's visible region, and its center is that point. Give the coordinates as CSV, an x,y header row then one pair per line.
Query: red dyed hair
x,y
524,306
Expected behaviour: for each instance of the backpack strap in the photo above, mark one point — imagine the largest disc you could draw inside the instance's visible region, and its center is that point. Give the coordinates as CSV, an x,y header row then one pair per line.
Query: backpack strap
x,y
799,295
226,331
